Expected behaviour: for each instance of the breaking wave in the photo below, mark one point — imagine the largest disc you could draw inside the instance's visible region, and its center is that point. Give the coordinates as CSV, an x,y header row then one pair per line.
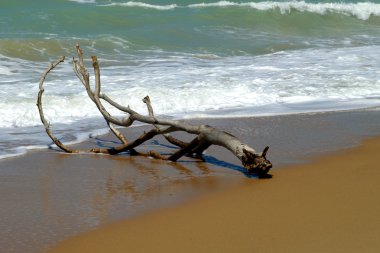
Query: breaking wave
x,y
363,10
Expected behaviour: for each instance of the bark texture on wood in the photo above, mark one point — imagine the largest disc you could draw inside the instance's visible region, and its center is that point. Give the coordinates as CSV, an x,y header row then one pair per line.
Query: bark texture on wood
x,y
252,161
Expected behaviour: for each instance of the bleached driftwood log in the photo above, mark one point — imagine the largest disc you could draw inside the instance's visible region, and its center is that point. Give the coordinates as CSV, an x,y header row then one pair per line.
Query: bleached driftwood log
x,y
205,136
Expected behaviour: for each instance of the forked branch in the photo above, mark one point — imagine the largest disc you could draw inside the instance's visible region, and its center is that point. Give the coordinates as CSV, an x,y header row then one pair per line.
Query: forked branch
x,y
205,136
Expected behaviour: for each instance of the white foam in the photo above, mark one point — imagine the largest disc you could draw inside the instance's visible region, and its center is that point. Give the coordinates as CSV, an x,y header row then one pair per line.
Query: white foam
x,y
362,10
283,82
143,5
5,70
199,86
83,1
216,4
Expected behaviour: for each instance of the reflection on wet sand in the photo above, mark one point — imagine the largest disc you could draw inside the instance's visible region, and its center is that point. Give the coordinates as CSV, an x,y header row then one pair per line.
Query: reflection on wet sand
x,y
59,195
48,196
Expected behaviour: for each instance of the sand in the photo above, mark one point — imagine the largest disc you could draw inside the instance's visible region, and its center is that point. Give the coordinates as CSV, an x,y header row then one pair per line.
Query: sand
x,y
48,197
329,205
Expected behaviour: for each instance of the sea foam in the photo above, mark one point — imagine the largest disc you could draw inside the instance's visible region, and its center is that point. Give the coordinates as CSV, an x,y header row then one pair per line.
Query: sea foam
x,y
143,5
223,59
190,85
83,1
363,10
360,10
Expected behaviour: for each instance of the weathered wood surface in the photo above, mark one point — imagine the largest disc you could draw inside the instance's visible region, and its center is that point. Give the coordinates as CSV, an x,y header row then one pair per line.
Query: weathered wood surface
x,y
205,136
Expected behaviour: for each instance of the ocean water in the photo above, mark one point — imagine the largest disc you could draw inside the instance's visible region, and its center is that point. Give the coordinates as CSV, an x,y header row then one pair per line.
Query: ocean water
x,y
193,58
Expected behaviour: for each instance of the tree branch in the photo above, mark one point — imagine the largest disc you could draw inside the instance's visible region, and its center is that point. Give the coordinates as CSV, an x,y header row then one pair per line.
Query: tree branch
x,y
41,112
206,136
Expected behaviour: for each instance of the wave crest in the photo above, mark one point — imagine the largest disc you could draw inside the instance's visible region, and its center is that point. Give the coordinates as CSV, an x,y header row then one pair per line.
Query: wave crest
x,y
143,5
363,10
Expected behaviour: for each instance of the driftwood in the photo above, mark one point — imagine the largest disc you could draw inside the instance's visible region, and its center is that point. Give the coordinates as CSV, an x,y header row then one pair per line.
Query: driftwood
x,y
205,136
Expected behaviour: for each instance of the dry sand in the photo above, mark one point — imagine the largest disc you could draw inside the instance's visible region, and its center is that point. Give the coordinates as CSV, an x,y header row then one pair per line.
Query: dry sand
x,y
330,205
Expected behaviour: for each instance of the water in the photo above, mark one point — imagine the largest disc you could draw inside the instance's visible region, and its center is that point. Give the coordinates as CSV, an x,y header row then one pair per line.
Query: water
x,y
193,58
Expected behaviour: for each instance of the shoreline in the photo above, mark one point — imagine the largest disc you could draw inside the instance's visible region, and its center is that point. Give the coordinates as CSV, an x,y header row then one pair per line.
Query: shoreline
x,y
328,205
104,130
50,196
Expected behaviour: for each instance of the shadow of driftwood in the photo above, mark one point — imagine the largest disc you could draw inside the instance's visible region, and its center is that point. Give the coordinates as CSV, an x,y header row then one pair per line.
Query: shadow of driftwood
x,y
206,158
215,161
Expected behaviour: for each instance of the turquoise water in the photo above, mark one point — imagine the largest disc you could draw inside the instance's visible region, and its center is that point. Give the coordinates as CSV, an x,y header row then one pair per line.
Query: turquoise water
x,y
40,30
194,59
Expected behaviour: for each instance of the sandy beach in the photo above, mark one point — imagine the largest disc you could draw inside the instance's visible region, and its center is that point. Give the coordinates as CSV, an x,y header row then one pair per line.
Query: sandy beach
x,y
69,203
330,205
299,77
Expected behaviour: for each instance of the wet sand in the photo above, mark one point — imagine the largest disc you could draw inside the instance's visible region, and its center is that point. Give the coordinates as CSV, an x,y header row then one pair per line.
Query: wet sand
x,y
329,205
48,196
